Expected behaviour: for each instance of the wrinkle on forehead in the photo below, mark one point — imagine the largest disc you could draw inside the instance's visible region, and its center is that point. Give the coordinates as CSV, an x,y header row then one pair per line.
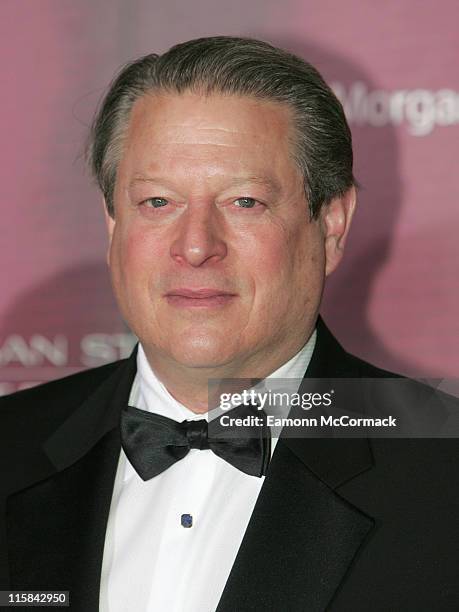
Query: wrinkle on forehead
x,y
210,135
210,114
210,128
193,142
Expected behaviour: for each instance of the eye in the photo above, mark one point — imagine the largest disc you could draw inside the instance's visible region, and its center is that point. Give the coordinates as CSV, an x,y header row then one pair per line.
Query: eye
x,y
245,202
155,202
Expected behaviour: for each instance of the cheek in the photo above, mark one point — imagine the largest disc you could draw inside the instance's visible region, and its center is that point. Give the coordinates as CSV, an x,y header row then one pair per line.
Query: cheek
x,y
308,262
262,262
134,255
288,269
275,258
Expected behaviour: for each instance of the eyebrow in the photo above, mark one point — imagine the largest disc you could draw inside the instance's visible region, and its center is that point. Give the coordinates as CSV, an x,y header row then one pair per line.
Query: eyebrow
x,y
271,184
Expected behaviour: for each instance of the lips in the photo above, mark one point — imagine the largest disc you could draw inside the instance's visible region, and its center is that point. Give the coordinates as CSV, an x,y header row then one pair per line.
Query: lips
x,y
198,293
203,297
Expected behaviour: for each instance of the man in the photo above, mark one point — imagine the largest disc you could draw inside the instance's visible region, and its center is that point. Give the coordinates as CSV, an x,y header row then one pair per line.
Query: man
x,y
226,169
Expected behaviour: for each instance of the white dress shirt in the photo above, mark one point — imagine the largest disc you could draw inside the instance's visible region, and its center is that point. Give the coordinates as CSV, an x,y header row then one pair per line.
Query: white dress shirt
x,y
151,562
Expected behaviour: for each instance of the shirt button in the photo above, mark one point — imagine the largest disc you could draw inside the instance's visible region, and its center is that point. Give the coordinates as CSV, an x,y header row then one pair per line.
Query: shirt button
x,y
186,520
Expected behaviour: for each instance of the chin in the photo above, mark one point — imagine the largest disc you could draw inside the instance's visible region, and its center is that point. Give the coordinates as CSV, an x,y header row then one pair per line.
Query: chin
x,y
201,353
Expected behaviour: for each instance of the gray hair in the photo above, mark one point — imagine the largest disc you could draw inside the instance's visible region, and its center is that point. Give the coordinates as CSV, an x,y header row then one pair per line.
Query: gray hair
x,y
239,66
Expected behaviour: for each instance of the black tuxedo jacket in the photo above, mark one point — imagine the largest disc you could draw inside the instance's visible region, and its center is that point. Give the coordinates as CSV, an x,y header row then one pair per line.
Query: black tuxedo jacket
x,y
340,524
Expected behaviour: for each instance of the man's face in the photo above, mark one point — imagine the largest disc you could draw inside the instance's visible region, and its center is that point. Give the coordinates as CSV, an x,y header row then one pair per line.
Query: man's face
x,y
213,257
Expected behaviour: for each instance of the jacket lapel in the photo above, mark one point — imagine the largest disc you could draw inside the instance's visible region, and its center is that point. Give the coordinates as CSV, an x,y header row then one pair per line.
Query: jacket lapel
x,y
303,536
56,526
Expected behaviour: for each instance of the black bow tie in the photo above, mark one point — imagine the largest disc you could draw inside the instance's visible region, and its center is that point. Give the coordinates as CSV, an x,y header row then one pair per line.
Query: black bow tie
x,y
153,442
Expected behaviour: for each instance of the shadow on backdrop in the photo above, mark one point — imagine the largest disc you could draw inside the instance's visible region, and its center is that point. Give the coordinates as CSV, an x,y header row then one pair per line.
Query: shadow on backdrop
x,y
67,323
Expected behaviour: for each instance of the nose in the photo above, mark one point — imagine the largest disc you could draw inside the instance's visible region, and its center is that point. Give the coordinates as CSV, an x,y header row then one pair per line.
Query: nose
x,y
199,238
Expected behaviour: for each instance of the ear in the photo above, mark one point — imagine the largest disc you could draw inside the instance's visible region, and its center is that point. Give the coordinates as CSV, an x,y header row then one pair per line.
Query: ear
x,y
110,223
336,220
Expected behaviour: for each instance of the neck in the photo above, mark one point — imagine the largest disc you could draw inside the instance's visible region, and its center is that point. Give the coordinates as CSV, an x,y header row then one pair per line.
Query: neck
x,y
190,385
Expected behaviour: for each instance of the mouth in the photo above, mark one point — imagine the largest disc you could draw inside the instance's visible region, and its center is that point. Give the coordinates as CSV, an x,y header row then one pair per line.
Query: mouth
x,y
199,298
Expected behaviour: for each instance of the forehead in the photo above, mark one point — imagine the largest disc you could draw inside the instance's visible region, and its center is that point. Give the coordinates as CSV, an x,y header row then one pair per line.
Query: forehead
x,y
225,133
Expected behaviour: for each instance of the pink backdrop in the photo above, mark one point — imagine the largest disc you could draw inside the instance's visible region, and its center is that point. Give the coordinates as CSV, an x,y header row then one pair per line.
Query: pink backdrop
x,y
395,300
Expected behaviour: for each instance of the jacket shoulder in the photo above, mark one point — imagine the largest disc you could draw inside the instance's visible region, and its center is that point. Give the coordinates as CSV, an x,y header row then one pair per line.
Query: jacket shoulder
x,y
331,360
364,369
